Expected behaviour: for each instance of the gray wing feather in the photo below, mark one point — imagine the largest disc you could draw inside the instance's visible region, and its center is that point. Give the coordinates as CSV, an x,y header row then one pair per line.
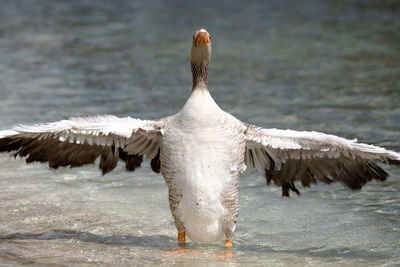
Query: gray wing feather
x,y
80,141
286,156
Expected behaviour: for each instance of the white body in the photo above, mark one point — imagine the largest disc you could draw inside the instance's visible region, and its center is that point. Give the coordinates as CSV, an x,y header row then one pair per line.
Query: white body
x,y
202,155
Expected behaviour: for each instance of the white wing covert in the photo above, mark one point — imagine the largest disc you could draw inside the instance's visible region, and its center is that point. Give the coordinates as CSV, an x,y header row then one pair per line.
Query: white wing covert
x,y
81,140
286,156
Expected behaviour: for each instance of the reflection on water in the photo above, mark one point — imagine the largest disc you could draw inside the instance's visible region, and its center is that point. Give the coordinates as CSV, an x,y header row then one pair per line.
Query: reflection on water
x,y
329,66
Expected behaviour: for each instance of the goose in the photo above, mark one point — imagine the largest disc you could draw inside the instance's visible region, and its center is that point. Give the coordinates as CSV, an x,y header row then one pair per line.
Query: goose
x,y
201,152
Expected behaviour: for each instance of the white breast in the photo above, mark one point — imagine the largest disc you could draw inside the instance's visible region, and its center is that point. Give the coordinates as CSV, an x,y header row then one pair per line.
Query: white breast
x,y
202,152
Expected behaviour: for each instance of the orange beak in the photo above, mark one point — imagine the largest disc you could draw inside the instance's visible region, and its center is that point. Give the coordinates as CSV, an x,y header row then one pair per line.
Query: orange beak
x,y
201,37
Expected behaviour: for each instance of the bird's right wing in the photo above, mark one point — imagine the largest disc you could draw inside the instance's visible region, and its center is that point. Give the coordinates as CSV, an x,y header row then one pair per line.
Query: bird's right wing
x,y
81,140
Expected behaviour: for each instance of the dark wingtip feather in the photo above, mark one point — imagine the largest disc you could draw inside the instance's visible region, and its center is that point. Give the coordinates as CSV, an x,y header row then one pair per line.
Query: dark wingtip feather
x,y
132,162
377,172
8,144
286,187
109,159
267,176
355,176
394,161
156,163
63,154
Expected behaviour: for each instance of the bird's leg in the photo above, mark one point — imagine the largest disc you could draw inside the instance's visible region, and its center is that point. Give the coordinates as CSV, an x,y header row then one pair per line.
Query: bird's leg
x,y
228,244
181,238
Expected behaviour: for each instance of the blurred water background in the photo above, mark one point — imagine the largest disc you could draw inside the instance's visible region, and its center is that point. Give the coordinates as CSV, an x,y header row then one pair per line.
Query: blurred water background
x,y
331,66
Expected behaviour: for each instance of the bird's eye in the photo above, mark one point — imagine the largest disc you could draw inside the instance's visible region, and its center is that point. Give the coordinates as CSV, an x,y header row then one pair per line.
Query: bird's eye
x,y
210,37
193,37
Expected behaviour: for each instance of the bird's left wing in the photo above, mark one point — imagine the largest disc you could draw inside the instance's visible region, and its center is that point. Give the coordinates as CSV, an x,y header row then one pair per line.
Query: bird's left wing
x,y
81,140
286,156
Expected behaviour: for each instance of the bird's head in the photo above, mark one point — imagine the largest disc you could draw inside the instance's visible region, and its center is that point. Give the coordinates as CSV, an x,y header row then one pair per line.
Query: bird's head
x,y
201,48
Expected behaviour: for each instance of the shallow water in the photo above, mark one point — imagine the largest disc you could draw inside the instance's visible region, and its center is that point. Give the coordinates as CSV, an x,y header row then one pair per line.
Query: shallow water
x,y
331,66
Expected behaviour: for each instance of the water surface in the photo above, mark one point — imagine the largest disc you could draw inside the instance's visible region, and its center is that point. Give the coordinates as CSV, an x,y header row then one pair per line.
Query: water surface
x,y
331,66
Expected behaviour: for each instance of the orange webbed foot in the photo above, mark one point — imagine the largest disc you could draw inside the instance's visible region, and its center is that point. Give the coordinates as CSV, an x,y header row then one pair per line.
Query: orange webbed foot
x,y
228,244
228,252
181,239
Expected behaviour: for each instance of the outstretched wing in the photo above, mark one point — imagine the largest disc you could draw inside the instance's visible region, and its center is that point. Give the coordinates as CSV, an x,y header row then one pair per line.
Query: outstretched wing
x,y
81,140
286,156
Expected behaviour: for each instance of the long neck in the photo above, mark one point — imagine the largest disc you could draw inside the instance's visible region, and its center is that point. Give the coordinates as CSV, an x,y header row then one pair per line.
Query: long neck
x,y
200,75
